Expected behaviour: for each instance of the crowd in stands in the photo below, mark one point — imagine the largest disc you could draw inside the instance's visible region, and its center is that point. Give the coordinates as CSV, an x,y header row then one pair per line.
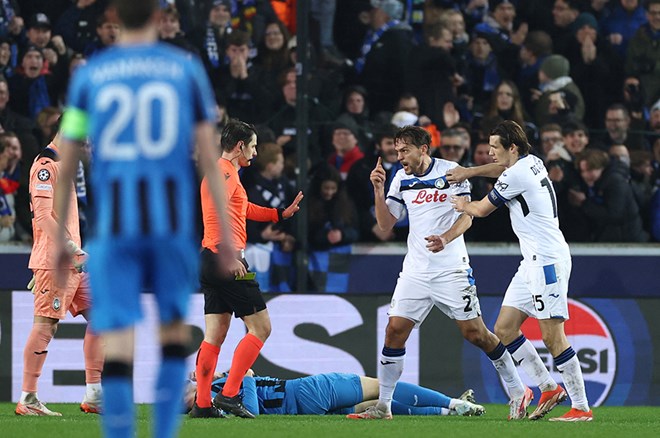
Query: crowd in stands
x,y
581,76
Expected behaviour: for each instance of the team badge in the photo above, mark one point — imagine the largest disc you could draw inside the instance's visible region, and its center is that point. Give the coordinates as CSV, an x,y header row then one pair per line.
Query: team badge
x,y
43,175
56,304
440,183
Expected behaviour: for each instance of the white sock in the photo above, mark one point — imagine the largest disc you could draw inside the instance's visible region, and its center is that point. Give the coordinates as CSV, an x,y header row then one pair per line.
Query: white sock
x,y
93,391
24,396
528,359
453,402
445,411
571,373
507,370
389,372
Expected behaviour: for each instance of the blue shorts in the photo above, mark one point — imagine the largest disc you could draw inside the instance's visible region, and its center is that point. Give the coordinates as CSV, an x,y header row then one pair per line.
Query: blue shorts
x,y
119,270
325,393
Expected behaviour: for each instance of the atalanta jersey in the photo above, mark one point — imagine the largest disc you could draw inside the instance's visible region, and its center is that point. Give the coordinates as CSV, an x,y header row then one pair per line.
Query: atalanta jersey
x,y
528,192
427,198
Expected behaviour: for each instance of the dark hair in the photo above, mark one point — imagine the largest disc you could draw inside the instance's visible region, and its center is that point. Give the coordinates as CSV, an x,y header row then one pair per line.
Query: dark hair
x,y
595,159
235,131
238,38
539,43
135,14
511,134
572,126
385,131
275,60
415,135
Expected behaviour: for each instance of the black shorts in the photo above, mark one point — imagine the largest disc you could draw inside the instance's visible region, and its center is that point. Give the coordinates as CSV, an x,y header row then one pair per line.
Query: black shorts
x,y
226,295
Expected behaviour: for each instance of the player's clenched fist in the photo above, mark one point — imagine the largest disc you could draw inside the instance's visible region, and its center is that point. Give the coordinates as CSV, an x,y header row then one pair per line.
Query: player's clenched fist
x,y
378,176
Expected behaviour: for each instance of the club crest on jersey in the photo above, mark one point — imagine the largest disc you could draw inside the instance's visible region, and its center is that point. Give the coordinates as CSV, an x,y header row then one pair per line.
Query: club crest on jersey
x,y
43,175
56,304
440,183
501,186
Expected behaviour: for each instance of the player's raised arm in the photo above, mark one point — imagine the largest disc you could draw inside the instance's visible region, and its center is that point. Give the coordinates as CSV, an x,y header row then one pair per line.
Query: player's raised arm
x,y
459,174
384,218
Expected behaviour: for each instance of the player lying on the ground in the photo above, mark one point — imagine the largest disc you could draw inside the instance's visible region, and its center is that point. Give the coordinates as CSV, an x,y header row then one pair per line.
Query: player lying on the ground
x,y
336,393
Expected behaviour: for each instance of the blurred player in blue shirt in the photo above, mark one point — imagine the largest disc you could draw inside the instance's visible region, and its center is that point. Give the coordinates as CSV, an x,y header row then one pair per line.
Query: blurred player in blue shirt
x,y
142,104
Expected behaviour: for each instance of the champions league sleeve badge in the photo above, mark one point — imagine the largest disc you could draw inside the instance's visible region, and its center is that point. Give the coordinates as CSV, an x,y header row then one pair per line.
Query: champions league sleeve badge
x,y
56,304
43,175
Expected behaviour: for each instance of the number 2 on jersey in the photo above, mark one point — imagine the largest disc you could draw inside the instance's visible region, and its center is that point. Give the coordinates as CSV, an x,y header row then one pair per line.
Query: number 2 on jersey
x,y
138,107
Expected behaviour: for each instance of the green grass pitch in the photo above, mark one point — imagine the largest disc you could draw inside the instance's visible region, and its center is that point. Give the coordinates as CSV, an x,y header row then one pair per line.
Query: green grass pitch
x,y
608,422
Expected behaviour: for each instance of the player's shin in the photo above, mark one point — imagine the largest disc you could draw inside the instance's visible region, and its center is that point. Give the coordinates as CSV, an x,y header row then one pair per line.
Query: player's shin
x,y
169,391
93,351
34,355
207,360
245,354
526,356
568,365
503,363
118,417
390,368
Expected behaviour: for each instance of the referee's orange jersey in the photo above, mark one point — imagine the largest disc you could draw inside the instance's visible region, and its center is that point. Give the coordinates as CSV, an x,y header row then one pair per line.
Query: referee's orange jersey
x,y
238,210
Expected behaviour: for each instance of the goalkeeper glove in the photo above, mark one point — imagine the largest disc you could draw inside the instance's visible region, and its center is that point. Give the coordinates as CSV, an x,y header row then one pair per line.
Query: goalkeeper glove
x,y
78,256
30,285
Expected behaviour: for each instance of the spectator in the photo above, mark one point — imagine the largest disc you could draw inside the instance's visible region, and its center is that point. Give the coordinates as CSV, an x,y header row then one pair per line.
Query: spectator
x,y
507,41
238,84
550,139
77,23
506,104
332,217
273,54
455,147
641,180
654,119
454,21
268,187
210,39
356,114
621,24
346,149
283,123
564,14
482,230
482,72
107,33
11,23
596,69
643,55
431,72
169,30
10,188
30,88
408,103
361,191
606,199
618,129
380,68
7,216
6,66
633,98
53,48
536,47
564,175
558,98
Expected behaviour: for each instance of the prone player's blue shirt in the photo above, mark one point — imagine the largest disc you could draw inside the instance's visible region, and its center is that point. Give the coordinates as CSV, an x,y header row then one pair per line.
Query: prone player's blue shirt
x,y
329,393
143,177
